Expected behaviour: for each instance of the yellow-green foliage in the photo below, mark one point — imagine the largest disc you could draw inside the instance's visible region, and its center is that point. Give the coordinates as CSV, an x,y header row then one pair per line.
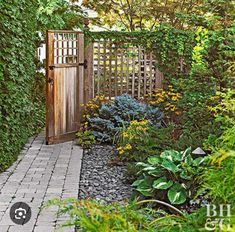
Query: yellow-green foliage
x,y
219,178
94,216
167,100
141,139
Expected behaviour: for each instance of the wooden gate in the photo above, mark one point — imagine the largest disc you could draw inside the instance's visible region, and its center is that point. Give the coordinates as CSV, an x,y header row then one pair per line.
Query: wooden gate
x,y
65,84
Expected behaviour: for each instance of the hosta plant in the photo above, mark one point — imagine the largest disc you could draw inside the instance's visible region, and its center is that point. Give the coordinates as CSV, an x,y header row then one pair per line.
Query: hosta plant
x,y
171,174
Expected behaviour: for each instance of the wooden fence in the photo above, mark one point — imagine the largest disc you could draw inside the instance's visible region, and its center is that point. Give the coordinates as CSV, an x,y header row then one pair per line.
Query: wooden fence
x,y
123,68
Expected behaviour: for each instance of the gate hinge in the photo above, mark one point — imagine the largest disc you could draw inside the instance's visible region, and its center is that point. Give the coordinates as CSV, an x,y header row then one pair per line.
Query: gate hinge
x,y
51,67
84,64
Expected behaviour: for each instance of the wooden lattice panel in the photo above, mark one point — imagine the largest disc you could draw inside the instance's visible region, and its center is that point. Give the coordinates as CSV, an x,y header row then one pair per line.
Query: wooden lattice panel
x,y
66,48
124,68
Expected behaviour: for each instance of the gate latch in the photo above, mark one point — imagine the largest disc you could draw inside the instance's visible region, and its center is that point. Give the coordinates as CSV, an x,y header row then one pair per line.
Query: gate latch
x,y
83,64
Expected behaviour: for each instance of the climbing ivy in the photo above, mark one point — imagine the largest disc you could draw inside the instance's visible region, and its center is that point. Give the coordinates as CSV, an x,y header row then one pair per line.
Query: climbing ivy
x,y
21,112
169,45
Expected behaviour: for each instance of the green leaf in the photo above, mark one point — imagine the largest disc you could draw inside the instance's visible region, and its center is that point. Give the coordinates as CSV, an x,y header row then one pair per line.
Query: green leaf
x,y
162,183
154,160
146,192
137,182
189,160
186,153
177,194
198,161
184,175
144,186
149,168
170,166
156,172
171,155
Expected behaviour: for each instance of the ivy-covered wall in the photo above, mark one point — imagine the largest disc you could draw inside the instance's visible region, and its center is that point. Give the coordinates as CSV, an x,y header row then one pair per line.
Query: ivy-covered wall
x,y
21,112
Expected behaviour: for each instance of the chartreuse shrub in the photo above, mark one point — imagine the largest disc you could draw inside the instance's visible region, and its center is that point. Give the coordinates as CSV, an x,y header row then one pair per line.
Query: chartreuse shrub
x,y
93,216
112,117
219,177
170,176
21,113
141,139
224,113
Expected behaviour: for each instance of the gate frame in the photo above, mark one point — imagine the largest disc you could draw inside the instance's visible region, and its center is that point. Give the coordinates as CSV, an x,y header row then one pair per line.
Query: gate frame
x,y
86,77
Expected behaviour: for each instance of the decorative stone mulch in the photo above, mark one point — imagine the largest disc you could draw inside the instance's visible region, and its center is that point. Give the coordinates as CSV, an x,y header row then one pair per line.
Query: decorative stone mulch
x,y
101,178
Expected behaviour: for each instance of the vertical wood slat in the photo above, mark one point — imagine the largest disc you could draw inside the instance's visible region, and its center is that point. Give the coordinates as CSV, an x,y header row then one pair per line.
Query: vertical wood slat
x,y
81,70
139,72
127,71
151,73
115,72
49,87
104,67
88,73
145,73
63,56
121,74
133,74
110,69
98,69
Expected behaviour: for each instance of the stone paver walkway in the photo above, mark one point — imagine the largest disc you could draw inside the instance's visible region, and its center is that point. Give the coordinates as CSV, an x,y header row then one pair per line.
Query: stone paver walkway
x,y
42,172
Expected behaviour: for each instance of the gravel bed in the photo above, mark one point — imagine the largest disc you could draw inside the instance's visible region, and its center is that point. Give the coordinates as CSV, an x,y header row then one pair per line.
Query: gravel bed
x,y
101,178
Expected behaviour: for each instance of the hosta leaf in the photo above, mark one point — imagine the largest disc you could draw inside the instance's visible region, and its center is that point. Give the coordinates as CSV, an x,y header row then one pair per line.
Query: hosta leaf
x,y
144,186
142,164
177,194
162,183
189,160
171,155
137,182
149,168
186,153
154,160
184,175
146,192
170,166
156,172
198,161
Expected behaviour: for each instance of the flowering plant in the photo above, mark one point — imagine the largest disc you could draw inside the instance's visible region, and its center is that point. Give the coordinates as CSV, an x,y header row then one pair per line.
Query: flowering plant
x,y
167,100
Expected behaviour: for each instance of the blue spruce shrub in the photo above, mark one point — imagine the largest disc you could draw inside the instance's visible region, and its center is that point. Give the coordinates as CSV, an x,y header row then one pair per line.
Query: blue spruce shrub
x,y
124,109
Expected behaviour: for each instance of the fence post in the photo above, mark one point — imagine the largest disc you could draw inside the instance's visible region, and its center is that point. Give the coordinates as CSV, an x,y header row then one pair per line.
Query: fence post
x,y
88,71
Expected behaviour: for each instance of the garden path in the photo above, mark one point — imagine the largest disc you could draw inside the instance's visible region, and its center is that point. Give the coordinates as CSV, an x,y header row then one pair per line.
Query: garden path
x,y
42,172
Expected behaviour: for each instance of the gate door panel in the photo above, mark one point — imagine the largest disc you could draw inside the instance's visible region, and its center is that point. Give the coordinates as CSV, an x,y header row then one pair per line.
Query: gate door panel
x,y
65,80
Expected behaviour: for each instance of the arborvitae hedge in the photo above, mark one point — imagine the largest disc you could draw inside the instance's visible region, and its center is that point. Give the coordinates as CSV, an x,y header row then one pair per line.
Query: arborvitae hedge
x,y
21,114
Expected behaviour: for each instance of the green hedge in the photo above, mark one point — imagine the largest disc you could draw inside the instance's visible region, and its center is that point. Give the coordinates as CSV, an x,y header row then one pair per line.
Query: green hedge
x,y
21,113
